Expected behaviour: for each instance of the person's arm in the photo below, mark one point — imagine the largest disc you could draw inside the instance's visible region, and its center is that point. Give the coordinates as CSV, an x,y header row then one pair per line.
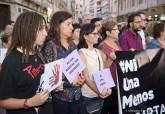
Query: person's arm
x,y
88,81
13,103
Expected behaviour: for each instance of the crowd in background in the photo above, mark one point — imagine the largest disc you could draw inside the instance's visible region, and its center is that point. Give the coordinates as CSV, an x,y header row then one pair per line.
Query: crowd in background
x,y
32,41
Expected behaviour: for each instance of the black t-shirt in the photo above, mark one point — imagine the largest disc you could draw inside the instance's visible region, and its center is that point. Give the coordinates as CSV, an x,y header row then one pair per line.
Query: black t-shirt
x,y
20,80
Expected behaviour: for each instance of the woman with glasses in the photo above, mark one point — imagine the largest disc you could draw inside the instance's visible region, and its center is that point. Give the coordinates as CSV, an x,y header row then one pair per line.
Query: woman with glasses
x,y
109,46
93,60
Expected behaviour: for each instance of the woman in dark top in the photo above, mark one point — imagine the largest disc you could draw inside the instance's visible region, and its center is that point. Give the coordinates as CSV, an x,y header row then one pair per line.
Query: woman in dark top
x,y
59,46
22,68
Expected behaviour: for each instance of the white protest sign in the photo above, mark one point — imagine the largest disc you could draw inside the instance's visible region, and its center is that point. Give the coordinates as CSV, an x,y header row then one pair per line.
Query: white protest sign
x,y
3,52
103,79
72,66
52,76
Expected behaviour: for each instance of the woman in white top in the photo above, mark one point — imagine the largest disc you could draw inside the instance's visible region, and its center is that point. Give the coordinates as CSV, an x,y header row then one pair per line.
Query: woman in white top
x,y
93,58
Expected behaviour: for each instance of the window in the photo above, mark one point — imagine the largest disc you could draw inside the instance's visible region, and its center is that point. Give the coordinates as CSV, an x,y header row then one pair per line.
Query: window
x,y
19,10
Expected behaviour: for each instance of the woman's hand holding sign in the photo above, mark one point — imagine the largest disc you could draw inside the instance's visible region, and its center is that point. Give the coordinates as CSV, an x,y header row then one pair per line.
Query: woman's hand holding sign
x,y
79,80
38,99
105,93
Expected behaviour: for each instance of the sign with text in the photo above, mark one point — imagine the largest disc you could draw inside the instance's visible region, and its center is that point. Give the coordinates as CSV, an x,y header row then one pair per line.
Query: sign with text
x,y
52,76
141,80
72,66
103,80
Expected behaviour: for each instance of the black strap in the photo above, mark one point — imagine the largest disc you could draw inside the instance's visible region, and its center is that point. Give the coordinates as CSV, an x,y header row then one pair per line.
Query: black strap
x,y
98,60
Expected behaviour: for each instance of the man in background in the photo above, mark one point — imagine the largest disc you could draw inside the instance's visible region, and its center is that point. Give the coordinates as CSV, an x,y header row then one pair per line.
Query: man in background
x,y
86,19
131,40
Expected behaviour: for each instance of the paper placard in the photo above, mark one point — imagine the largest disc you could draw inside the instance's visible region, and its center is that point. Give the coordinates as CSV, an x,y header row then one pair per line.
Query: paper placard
x,y
3,52
73,65
52,76
103,79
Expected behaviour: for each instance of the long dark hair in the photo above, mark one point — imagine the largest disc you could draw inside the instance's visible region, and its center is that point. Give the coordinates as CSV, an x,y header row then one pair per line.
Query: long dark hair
x,y
56,20
85,30
25,32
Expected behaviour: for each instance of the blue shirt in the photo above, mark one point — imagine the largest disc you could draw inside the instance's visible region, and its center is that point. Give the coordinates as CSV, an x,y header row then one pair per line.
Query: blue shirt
x,y
153,44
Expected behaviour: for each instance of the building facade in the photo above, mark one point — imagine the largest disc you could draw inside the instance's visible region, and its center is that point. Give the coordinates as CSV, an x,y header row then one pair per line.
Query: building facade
x,y
86,7
153,8
78,10
98,5
97,8
55,5
10,9
109,9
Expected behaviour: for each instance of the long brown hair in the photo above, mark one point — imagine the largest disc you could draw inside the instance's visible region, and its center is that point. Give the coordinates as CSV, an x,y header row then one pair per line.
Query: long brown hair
x,y
56,20
25,32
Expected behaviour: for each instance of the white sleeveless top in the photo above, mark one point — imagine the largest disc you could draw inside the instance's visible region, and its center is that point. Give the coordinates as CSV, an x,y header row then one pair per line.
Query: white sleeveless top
x,y
93,57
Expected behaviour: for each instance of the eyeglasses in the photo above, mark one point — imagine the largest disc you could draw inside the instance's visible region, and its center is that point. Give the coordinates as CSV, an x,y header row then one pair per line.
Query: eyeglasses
x,y
116,30
137,22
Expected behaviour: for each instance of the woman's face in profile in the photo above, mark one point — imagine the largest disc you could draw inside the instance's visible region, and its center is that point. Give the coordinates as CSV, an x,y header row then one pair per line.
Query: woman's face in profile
x,y
92,38
41,34
66,28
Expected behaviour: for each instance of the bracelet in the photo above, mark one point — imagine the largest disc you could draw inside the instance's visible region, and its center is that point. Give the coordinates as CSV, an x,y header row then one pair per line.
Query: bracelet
x,y
26,105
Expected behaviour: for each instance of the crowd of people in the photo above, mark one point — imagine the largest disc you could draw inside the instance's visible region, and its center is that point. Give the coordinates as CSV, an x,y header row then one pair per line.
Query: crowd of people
x,y
31,43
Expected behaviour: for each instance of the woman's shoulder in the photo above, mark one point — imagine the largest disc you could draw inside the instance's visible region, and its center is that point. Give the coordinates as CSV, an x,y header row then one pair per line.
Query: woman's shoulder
x,y
101,45
82,50
106,48
97,50
13,58
153,44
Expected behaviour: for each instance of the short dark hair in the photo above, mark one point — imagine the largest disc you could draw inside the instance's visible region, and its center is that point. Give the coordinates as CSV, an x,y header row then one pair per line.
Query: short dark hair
x,y
94,20
158,28
76,26
85,30
108,26
131,18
